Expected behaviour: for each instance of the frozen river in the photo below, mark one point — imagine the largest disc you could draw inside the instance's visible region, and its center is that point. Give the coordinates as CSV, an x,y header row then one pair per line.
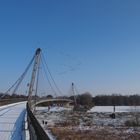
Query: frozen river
x,y
117,109
99,109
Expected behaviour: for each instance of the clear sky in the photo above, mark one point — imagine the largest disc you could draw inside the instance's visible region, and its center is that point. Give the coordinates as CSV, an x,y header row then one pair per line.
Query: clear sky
x,y
93,43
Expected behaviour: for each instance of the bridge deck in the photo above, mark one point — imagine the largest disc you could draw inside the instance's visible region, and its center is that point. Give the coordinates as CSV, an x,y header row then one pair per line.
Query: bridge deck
x,y
11,121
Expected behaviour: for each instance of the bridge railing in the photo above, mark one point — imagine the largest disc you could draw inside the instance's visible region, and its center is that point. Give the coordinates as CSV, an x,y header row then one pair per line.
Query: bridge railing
x,y
35,128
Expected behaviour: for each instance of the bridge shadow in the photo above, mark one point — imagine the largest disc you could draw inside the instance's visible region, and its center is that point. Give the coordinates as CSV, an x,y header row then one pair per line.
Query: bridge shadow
x,y
17,133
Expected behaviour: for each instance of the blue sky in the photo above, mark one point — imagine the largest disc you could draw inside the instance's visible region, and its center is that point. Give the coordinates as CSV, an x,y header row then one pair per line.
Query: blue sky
x,y
93,43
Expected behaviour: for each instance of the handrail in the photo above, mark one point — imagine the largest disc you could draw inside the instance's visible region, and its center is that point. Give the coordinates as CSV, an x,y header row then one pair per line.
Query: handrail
x,y
39,132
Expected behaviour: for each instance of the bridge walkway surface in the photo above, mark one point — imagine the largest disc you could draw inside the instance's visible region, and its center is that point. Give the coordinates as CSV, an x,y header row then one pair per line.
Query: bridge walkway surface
x,y
12,121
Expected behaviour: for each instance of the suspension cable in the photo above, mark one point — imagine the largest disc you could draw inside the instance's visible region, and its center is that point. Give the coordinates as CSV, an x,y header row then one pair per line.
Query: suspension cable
x,y
23,75
51,75
19,80
76,90
45,72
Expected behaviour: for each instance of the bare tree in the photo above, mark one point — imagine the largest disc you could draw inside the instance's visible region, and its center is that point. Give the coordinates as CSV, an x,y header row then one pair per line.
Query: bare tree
x,y
85,99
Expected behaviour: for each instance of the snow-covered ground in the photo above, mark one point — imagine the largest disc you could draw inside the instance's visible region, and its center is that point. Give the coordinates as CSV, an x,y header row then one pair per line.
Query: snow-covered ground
x,y
96,119
52,109
102,109
12,121
117,109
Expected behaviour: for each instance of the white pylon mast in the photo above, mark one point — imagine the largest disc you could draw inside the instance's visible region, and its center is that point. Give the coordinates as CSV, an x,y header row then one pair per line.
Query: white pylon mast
x,y
34,73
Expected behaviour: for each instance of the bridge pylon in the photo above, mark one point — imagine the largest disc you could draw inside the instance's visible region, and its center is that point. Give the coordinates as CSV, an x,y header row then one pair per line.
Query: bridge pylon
x,y
34,74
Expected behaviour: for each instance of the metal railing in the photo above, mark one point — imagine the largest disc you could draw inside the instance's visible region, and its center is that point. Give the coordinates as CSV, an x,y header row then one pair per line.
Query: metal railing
x,y
35,129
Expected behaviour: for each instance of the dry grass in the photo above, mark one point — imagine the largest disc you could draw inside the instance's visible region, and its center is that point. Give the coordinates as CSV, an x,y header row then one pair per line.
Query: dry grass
x,y
67,133
92,126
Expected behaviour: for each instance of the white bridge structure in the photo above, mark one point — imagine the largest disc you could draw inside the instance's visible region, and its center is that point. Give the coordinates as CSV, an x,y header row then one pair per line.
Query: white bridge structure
x,y
54,101
13,117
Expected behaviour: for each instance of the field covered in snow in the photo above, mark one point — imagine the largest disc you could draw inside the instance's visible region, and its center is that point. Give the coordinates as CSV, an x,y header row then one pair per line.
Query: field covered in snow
x,y
95,124
94,109
117,109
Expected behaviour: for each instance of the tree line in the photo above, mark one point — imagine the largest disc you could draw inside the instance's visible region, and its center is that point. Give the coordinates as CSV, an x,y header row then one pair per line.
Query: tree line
x,y
107,100
120,100
8,96
100,100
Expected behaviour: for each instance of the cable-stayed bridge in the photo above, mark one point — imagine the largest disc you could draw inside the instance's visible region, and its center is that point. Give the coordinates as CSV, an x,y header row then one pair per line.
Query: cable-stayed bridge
x,y
15,116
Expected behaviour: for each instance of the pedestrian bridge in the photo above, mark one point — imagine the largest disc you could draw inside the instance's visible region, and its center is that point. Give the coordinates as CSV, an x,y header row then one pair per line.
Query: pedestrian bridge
x,y
54,101
12,119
